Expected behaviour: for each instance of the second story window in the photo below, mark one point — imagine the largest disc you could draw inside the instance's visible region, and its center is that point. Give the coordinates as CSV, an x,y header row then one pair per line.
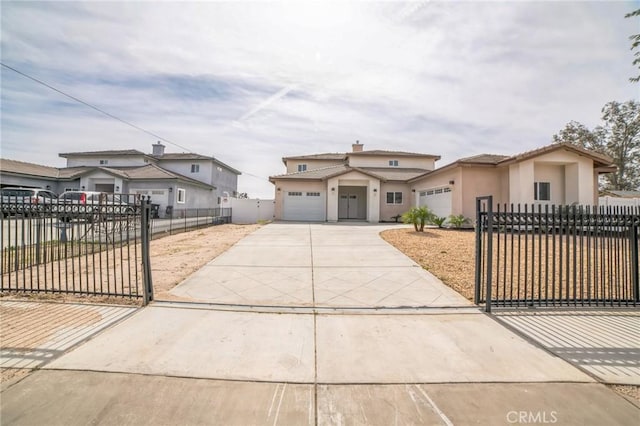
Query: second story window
x,y
104,162
302,167
195,168
393,163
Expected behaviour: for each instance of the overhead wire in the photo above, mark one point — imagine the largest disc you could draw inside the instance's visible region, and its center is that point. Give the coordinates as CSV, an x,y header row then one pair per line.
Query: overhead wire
x,y
108,114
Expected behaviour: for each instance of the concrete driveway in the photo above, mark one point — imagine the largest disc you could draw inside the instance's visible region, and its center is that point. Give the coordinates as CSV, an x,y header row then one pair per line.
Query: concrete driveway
x,y
312,324
317,265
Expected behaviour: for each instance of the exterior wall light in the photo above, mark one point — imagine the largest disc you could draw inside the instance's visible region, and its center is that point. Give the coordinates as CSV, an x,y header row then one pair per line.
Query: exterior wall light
x,y
333,189
451,182
375,189
170,190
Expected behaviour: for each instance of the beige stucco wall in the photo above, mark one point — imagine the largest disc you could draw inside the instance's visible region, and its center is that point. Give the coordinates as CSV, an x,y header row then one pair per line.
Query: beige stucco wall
x,y
383,161
387,211
283,186
292,165
479,182
578,183
554,174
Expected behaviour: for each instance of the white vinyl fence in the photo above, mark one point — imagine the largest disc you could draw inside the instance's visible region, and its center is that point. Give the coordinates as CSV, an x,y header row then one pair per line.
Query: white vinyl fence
x,y
617,201
251,210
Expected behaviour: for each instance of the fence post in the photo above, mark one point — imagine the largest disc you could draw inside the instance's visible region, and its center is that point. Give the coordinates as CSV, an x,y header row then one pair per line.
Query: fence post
x,y
634,261
489,253
146,262
476,298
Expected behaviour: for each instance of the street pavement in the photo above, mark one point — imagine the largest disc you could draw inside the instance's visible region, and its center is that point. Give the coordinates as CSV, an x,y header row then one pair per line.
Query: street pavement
x,y
312,324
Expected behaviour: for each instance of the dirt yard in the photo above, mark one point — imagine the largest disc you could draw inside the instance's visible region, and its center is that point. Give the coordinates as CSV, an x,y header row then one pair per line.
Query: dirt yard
x,y
446,253
173,259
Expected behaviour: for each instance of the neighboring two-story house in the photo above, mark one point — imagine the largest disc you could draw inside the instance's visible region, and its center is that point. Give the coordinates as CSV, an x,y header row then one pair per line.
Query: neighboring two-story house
x,y
379,185
174,180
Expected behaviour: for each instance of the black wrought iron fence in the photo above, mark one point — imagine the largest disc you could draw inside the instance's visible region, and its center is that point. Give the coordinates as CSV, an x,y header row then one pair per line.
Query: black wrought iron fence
x,y
81,247
539,255
181,220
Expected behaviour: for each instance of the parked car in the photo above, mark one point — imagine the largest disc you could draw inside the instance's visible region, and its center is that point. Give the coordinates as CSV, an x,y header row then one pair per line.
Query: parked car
x,y
89,204
17,200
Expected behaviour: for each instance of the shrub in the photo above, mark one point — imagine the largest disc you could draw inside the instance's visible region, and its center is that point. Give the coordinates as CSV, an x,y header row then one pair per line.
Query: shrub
x,y
439,221
418,216
458,221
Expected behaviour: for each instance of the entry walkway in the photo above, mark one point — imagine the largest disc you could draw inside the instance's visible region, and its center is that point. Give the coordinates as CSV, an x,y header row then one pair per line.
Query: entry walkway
x,y
312,324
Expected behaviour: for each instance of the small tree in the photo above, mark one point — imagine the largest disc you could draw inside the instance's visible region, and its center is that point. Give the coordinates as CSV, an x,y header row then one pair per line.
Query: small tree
x,y
418,216
458,221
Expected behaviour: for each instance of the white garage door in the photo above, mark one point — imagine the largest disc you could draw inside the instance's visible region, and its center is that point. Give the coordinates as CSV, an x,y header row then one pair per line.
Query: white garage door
x,y
304,206
438,200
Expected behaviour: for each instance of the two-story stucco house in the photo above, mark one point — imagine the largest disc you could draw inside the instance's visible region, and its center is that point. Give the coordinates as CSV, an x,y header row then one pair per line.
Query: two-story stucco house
x,y
175,180
378,185
359,185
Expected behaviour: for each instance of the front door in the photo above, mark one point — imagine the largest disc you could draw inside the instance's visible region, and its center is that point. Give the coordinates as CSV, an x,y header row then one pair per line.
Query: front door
x,y
348,206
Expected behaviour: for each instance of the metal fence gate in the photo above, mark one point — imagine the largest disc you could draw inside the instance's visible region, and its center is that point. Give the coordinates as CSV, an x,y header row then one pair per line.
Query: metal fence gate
x,y
537,255
80,248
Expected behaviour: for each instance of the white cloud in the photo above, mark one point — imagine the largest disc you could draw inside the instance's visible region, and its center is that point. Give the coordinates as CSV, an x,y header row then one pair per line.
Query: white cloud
x,y
252,82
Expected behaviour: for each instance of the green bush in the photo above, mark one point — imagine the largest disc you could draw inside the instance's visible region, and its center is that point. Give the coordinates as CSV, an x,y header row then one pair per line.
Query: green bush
x,y
439,221
418,216
458,221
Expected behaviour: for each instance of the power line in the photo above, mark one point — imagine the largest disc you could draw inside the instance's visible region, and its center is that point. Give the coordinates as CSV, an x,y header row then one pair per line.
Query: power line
x,y
105,112
93,107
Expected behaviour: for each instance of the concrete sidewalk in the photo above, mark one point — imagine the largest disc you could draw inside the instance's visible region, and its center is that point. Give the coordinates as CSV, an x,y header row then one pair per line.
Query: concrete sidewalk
x,y
299,324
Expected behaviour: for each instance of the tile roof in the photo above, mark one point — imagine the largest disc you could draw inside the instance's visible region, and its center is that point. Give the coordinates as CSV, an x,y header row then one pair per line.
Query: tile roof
x,y
601,159
394,173
379,152
193,156
326,156
483,159
382,173
99,153
315,174
32,169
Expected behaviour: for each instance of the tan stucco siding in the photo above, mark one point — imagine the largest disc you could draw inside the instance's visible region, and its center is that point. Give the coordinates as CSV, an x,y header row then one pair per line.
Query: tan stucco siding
x,y
480,182
292,165
554,175
387,211
576,185
284,186
403,162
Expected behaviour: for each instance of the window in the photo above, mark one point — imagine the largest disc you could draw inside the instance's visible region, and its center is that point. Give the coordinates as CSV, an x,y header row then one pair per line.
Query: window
x,y
302,167
394,197
313,194
447,190
430,192
295,194
393,163
423,193
438,191
104,162
182,196
195,168
541,191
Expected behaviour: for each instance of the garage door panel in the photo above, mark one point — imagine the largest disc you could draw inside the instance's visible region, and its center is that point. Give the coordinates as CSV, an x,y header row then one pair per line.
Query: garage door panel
x,y
304,206
438,201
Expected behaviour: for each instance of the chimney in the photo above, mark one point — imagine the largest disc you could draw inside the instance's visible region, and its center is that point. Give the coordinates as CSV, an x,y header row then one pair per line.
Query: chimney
x,y
357,147
158,149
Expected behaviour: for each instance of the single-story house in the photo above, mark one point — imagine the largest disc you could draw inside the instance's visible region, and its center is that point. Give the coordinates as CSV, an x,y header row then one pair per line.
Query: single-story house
x,y
379,185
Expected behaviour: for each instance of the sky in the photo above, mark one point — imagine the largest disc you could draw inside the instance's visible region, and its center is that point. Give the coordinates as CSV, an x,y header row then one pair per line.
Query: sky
x,y
252,82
